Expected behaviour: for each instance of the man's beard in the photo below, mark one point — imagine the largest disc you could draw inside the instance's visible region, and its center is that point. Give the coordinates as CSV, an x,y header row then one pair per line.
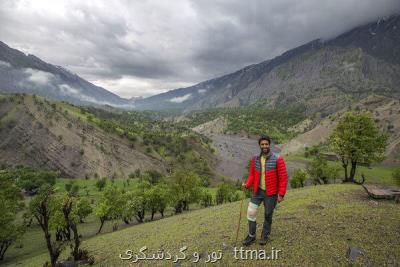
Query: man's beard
x,y
266,151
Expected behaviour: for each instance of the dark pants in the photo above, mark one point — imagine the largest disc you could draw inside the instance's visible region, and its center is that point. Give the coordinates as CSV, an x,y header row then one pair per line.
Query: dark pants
x,y
269,205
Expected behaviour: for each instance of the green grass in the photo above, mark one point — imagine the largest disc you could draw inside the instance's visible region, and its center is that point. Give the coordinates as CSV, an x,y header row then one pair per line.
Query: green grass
x,y
313,226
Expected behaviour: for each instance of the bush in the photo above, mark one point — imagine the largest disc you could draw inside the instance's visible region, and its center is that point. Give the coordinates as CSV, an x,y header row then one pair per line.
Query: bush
x,y
332,173
226,193
316,169
299,179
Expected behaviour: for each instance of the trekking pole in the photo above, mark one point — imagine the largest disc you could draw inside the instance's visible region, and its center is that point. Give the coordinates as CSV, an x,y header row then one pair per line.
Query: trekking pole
x,y
240,214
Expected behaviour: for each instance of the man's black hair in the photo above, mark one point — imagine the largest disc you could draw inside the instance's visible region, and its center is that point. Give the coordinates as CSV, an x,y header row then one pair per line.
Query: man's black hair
x,y
264,137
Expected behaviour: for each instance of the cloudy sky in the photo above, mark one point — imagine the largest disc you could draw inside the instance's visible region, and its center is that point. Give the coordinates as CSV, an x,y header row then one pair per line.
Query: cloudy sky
x,y
142,48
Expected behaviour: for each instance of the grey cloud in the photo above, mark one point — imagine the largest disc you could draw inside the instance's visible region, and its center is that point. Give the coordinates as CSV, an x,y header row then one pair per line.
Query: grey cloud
x,y
239,35
147,47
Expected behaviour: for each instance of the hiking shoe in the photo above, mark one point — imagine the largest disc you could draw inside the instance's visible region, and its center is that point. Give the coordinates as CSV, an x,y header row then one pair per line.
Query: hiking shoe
x,y
248,240
263,240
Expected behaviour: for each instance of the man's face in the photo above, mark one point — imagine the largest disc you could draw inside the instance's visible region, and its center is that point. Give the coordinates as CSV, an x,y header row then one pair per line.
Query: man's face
x,y
264,145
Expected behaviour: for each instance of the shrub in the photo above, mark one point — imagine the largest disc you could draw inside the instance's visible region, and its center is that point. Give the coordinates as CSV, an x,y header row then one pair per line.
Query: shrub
x,y
299,179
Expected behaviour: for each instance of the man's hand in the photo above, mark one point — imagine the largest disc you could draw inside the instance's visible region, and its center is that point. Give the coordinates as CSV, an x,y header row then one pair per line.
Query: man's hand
x,y
280,198
243,185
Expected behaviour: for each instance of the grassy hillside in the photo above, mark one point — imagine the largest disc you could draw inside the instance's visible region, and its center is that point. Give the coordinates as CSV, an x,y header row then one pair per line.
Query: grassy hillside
x,y
92,142
313,226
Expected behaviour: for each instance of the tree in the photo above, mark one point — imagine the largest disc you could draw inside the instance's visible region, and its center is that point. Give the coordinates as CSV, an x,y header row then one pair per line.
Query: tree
x,y
130,207
11,204
299,178
135,206
42,208
184,187
356,139
64,216
164,197
110,205
139,200
70,210
65,210
156,199
83,208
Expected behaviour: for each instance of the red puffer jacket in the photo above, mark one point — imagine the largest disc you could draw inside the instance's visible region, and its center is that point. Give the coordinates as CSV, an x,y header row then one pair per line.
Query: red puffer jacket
x,y
276,177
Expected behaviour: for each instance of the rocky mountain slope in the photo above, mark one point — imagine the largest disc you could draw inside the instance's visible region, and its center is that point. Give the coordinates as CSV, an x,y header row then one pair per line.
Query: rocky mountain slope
x,y
325,75
29,74
37,133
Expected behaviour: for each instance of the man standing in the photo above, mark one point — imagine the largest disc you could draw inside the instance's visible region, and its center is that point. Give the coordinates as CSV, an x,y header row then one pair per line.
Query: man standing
x,y
268,176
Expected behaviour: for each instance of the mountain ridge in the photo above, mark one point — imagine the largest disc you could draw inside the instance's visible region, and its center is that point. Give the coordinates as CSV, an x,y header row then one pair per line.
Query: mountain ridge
x,y
378,40
21,73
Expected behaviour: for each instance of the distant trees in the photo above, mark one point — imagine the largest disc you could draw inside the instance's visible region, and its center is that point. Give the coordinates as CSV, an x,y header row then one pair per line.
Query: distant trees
x,y
31,180
356,139
151,194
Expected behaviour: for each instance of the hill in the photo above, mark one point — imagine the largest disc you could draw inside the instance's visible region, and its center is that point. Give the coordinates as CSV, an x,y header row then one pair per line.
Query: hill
x,y
313,226
93,143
